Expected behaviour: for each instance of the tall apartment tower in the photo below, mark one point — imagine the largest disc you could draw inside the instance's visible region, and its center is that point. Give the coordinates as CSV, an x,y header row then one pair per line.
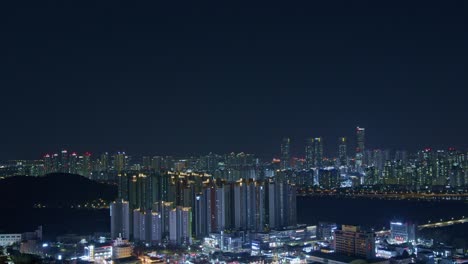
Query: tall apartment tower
x,y
318,152
120,219
309,153
360,145
285,154
342,151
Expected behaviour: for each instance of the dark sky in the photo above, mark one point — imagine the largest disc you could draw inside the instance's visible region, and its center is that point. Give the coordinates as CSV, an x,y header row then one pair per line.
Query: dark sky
x,y
176,77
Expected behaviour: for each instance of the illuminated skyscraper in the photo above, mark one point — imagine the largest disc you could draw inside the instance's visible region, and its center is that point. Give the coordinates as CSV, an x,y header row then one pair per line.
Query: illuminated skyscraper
x,y
285,154
342,151
318,152
309,153
180,232
360,146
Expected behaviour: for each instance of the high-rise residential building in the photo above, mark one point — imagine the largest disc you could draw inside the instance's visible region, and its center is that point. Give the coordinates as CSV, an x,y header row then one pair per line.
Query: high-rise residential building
x,y
146,162
120,219
285,154
64,166
139,225
104,162
221,208
120,160
245,205
157,163
329,178
280,204
86,165
55,163
47,163
401,155
403,232
165,209
74,163
360,145
377,160
350,240
180,232
318,152
200,216
309,153
342,151
156,228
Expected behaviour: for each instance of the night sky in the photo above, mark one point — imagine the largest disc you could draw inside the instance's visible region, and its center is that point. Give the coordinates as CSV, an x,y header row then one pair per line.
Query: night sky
x,y
174,77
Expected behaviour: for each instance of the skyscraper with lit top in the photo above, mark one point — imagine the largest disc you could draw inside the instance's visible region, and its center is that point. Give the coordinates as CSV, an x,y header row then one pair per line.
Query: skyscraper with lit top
x,y
360,145
342,151
285,154
318,151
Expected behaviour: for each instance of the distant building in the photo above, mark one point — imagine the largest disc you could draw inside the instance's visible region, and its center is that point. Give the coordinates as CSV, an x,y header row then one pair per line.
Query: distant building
x,y
325,230
403,232
285,154
350,240
318,152
342,151
329,178
360,147
309,153
31,241
121,249
9,239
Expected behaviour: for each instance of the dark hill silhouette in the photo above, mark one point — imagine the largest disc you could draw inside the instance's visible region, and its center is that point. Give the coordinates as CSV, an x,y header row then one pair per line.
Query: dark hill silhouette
x,y
52,190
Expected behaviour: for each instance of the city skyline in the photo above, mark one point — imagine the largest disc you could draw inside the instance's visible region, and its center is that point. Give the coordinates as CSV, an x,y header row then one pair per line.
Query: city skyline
x,y
234,132
221,77
296,149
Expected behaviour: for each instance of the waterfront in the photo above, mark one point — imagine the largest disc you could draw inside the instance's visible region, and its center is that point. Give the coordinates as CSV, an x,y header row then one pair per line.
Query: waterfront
x,y
359,211
375,212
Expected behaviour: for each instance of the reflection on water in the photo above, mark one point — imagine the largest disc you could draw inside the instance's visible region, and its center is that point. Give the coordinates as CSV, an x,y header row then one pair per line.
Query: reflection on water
x,y
310,210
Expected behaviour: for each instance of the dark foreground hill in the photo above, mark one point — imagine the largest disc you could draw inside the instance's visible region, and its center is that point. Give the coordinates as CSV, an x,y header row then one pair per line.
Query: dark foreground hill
x,y
56,190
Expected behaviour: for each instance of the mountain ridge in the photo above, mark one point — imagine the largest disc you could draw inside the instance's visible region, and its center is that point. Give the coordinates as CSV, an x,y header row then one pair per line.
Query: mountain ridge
x,y
55,190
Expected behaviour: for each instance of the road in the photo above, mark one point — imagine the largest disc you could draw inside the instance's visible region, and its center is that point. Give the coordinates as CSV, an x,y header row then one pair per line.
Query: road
x,y
443,223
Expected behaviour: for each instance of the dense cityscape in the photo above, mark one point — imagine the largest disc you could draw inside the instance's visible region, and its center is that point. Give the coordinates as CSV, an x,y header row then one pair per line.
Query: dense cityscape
x,y
232,132
350,166
236,207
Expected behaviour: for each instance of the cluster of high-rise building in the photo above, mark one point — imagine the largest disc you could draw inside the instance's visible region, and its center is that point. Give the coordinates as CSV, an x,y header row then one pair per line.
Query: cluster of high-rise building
x,y
424,169
172,207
